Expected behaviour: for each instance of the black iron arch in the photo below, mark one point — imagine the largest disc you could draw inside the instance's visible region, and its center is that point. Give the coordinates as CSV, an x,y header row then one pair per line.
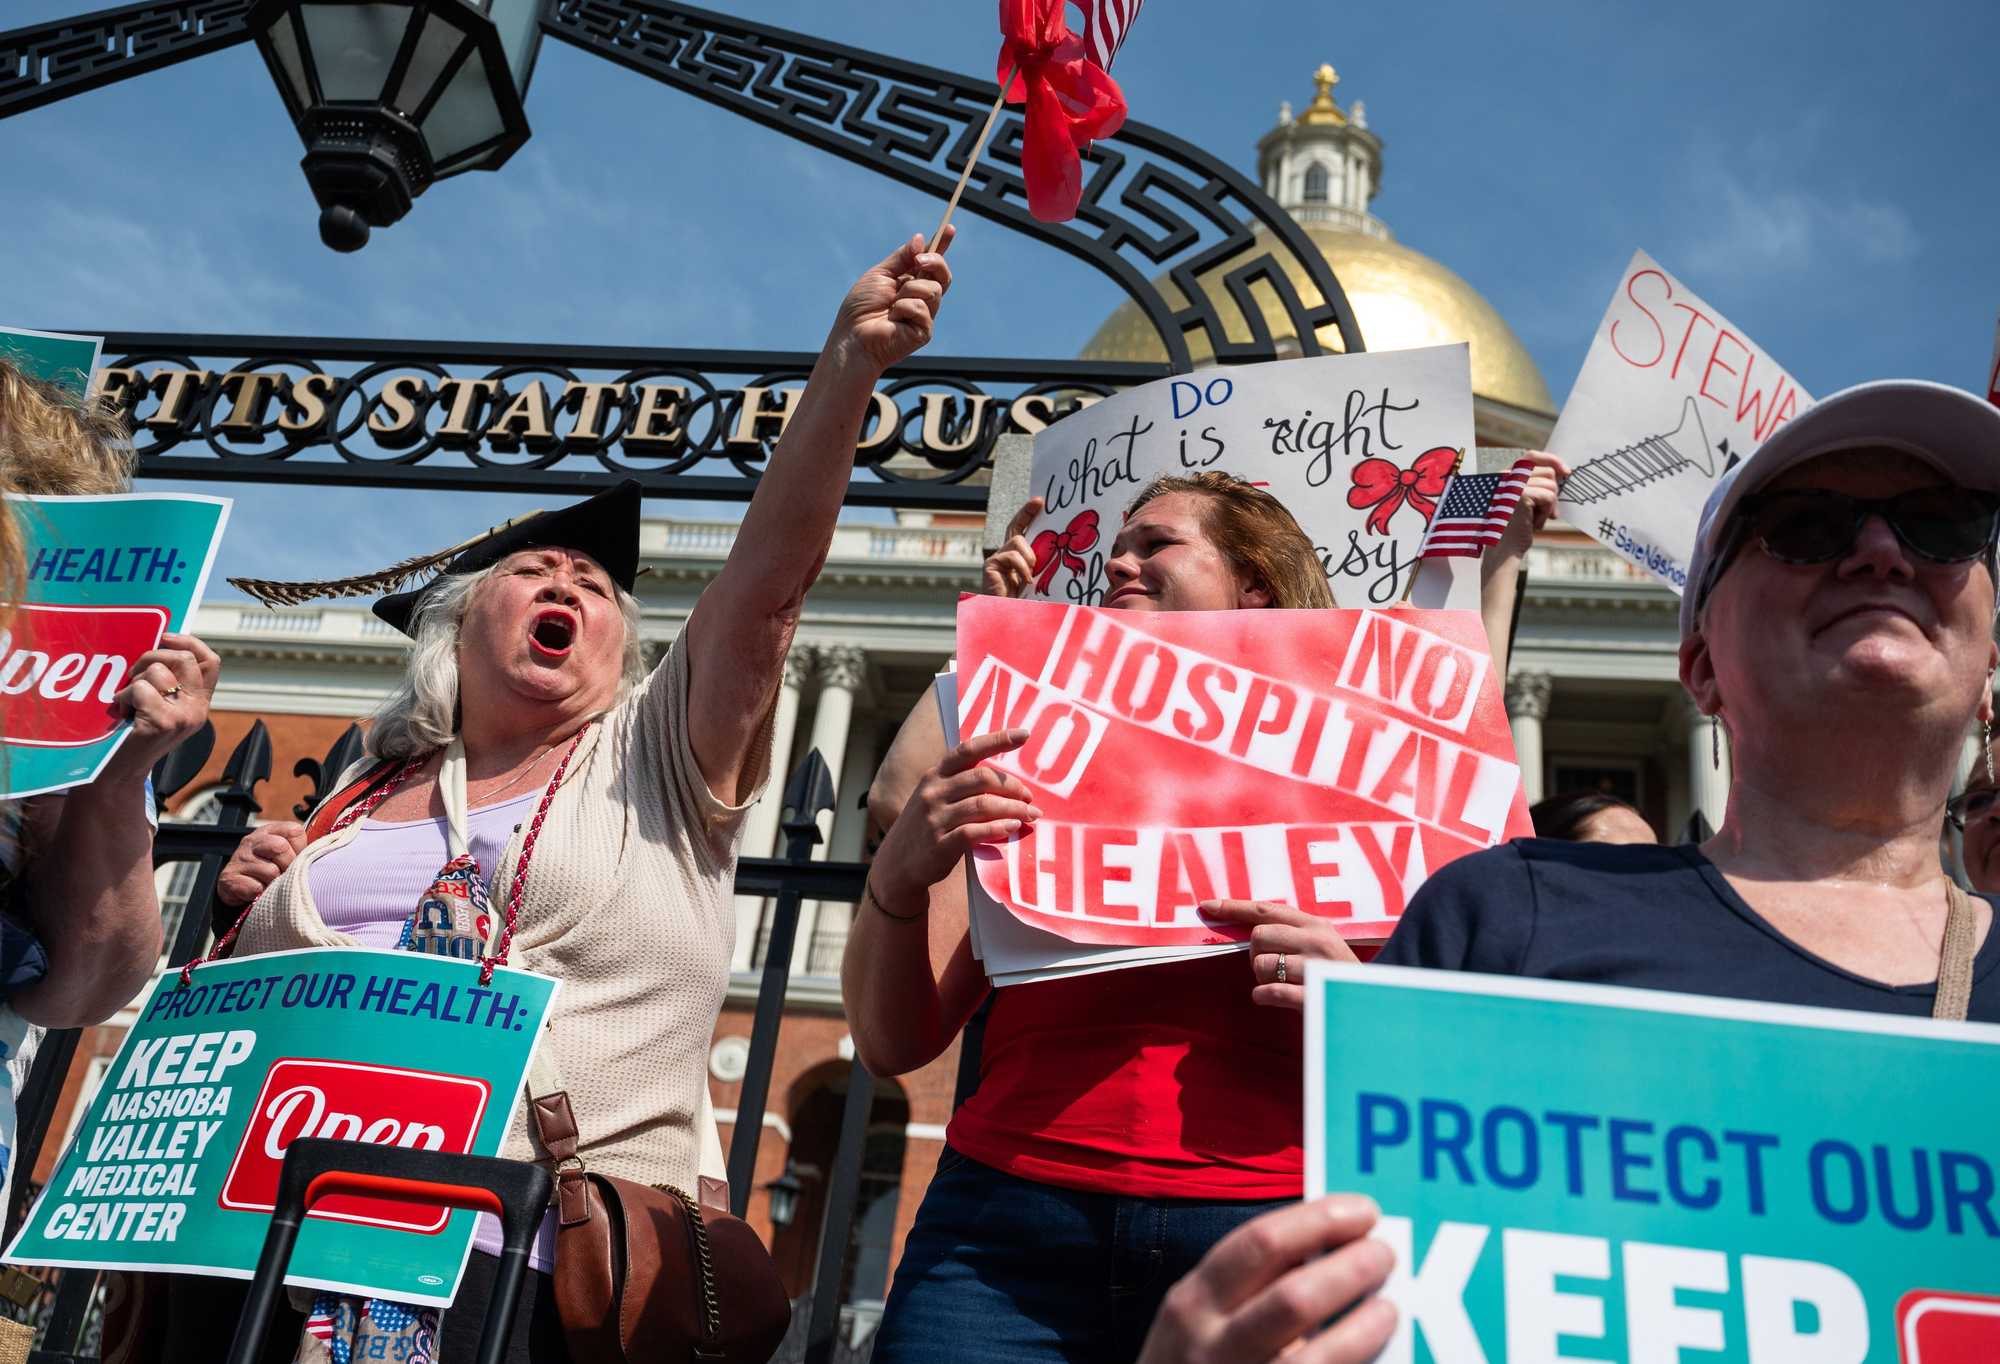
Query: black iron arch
x,y
1153,205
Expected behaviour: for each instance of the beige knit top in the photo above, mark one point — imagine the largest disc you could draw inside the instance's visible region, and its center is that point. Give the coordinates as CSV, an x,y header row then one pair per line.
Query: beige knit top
x,y
629,904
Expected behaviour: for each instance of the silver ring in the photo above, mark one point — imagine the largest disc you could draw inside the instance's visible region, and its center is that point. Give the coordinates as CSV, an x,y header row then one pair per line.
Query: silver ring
x,y
1281,968
170,693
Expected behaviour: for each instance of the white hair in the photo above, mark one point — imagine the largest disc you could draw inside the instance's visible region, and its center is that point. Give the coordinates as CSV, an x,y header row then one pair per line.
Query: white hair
x,y
422,713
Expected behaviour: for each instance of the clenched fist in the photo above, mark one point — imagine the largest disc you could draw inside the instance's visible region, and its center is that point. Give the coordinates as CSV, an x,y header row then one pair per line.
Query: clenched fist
x,y
259,859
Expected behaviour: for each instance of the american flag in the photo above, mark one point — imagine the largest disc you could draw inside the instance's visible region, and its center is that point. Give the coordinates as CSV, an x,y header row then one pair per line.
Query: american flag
x,y
1475,512
1105,24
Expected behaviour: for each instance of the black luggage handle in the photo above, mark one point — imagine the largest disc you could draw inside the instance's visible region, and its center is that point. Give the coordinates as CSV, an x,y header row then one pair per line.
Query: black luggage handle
x,y
315,1168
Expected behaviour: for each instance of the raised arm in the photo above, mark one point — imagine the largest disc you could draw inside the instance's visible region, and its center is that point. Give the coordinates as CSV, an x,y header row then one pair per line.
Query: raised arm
x,y
1500,568
743,624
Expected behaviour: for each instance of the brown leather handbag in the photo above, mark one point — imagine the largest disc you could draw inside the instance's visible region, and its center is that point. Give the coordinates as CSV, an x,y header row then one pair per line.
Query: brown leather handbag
x,y
643,1272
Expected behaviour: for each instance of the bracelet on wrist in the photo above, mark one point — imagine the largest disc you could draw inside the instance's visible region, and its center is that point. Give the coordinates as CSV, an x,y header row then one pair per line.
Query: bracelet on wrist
x,y
868,897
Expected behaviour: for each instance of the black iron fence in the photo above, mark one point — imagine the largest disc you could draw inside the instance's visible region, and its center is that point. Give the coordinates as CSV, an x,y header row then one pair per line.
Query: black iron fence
x,y
67,1306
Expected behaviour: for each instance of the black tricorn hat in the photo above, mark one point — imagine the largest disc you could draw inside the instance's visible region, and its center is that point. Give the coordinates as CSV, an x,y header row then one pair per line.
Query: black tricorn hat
x,y
606,527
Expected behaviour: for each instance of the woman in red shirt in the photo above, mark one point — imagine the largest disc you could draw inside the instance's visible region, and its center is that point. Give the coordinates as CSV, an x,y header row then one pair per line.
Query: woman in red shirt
x,y
1125,1121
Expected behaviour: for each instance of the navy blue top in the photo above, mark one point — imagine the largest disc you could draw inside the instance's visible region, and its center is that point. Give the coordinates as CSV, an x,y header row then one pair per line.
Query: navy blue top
x,y
1634,914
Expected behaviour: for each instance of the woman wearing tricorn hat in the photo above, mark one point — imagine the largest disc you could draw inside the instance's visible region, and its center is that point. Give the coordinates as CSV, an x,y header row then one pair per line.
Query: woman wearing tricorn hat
x,y
534,797
1839,621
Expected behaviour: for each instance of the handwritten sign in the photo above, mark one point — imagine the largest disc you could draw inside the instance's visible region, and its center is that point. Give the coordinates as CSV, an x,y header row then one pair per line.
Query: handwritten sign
x,y
175,1165
1357,447
107,576
1581,1172
1670,395
1326,759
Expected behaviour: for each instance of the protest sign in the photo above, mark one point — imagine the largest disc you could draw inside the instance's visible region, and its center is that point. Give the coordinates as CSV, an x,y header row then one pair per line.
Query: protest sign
x,y
54,357
1584,1172
107,576
175,1164
1326,759
1669,397
1357,447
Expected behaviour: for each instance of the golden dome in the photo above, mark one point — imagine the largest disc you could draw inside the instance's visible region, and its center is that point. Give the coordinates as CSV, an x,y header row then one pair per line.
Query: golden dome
x,y
1402,299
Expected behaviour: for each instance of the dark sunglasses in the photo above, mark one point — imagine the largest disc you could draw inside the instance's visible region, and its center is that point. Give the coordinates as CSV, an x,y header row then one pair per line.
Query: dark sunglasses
x,y
1813,526
1967,806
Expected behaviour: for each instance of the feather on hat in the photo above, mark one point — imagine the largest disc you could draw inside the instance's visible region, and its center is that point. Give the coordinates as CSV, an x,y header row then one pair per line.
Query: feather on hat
x,y
605,527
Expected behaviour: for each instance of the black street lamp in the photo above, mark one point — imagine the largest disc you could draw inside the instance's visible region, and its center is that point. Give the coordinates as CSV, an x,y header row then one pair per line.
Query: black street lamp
x,y
389,95
785,1192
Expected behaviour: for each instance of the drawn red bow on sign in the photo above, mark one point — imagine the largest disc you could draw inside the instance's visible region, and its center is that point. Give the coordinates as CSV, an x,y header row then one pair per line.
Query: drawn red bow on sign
x,y
1383,486
1071,102
1055,549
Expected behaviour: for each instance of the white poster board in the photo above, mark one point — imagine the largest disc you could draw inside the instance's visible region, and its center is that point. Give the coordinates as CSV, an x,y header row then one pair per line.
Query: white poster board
x,y
1357,447
1670,395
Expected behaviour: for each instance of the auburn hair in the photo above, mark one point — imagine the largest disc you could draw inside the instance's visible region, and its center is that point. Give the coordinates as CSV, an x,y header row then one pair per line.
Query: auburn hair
x,y
1255,533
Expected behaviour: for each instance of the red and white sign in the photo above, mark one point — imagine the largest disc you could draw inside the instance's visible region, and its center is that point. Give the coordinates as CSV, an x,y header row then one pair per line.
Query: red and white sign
x,y
1948,1328
1326,759
61,665
351,1101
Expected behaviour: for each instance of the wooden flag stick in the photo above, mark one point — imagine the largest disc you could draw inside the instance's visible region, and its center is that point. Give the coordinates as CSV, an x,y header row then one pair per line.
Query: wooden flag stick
x,y
1411,585
992,120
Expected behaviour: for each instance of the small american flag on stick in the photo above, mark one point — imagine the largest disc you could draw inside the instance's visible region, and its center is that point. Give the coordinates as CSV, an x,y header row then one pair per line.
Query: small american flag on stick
x,y
1475,512
1105,24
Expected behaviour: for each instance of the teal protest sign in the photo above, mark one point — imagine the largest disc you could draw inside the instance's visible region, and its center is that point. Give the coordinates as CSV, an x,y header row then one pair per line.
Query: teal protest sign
x,y
107,576
175,1164
56,357
1577,1172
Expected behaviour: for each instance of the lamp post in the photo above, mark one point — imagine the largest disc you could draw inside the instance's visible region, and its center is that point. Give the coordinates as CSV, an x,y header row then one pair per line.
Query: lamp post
x,y
389,95
784,1192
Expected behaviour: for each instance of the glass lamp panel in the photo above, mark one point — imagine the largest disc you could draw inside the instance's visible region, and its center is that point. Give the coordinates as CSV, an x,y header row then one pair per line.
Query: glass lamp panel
x,y
465,115
285,48
519,24
435,46
353,47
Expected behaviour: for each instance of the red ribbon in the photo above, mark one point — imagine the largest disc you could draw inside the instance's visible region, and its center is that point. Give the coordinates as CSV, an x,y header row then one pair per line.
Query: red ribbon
x,y
1071,102
1053,548
1385,487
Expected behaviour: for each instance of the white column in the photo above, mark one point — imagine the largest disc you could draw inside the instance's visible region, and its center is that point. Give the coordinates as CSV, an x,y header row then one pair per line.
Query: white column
x,y
841,668
1527,706
760,827
1708,777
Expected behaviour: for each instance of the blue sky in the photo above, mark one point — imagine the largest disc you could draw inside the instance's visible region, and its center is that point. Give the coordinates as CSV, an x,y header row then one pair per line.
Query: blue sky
x,y
1825,173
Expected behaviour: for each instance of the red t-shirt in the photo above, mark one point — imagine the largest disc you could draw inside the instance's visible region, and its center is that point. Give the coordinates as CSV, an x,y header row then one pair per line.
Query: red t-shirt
x,y
1159,1082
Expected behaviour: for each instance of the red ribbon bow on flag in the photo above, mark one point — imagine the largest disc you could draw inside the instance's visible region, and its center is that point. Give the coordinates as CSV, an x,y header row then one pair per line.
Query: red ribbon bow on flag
x,y
1071,100
1383,486
1053,548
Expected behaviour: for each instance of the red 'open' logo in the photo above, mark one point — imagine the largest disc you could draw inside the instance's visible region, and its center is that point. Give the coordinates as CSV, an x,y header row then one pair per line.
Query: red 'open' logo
x,y
353,1101
61,665
1948,1328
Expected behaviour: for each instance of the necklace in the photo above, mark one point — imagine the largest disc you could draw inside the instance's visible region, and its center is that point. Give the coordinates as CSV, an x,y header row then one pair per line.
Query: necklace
x,y
487,797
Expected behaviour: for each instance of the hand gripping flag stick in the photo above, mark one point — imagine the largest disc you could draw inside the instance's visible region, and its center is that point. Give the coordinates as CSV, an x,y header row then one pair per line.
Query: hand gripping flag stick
x,y
958,190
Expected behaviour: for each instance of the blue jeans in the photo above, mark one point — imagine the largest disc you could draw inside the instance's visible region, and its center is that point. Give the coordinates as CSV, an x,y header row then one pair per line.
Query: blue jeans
x,y
1002,1270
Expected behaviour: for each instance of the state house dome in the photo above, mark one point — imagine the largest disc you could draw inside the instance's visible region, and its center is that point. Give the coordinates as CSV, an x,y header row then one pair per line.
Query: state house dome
x,y
1323,168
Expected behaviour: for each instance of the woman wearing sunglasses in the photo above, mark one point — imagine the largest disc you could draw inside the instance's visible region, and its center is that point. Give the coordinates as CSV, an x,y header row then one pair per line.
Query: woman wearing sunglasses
x,y
1839,621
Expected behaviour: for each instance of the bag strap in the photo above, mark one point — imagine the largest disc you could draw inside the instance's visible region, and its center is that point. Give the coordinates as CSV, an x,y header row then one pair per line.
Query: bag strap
x,y
1961,932
321,821
549,1100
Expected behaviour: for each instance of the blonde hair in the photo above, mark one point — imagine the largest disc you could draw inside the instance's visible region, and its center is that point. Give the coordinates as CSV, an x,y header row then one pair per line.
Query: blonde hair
x,y
53,443
1255,534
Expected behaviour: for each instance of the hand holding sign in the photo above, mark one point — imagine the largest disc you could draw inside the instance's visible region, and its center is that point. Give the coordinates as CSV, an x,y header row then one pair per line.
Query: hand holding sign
x,y
1267,1286
166,699
1281,934
259,859
1010,568
960,804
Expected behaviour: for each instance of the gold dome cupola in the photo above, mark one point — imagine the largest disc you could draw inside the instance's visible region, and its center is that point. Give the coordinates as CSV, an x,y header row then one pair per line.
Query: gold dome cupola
x,y
1324,166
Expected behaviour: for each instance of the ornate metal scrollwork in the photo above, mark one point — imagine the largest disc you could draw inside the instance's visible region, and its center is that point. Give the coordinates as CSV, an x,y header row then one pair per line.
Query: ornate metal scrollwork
x,y
524,418
1151,202
47,62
